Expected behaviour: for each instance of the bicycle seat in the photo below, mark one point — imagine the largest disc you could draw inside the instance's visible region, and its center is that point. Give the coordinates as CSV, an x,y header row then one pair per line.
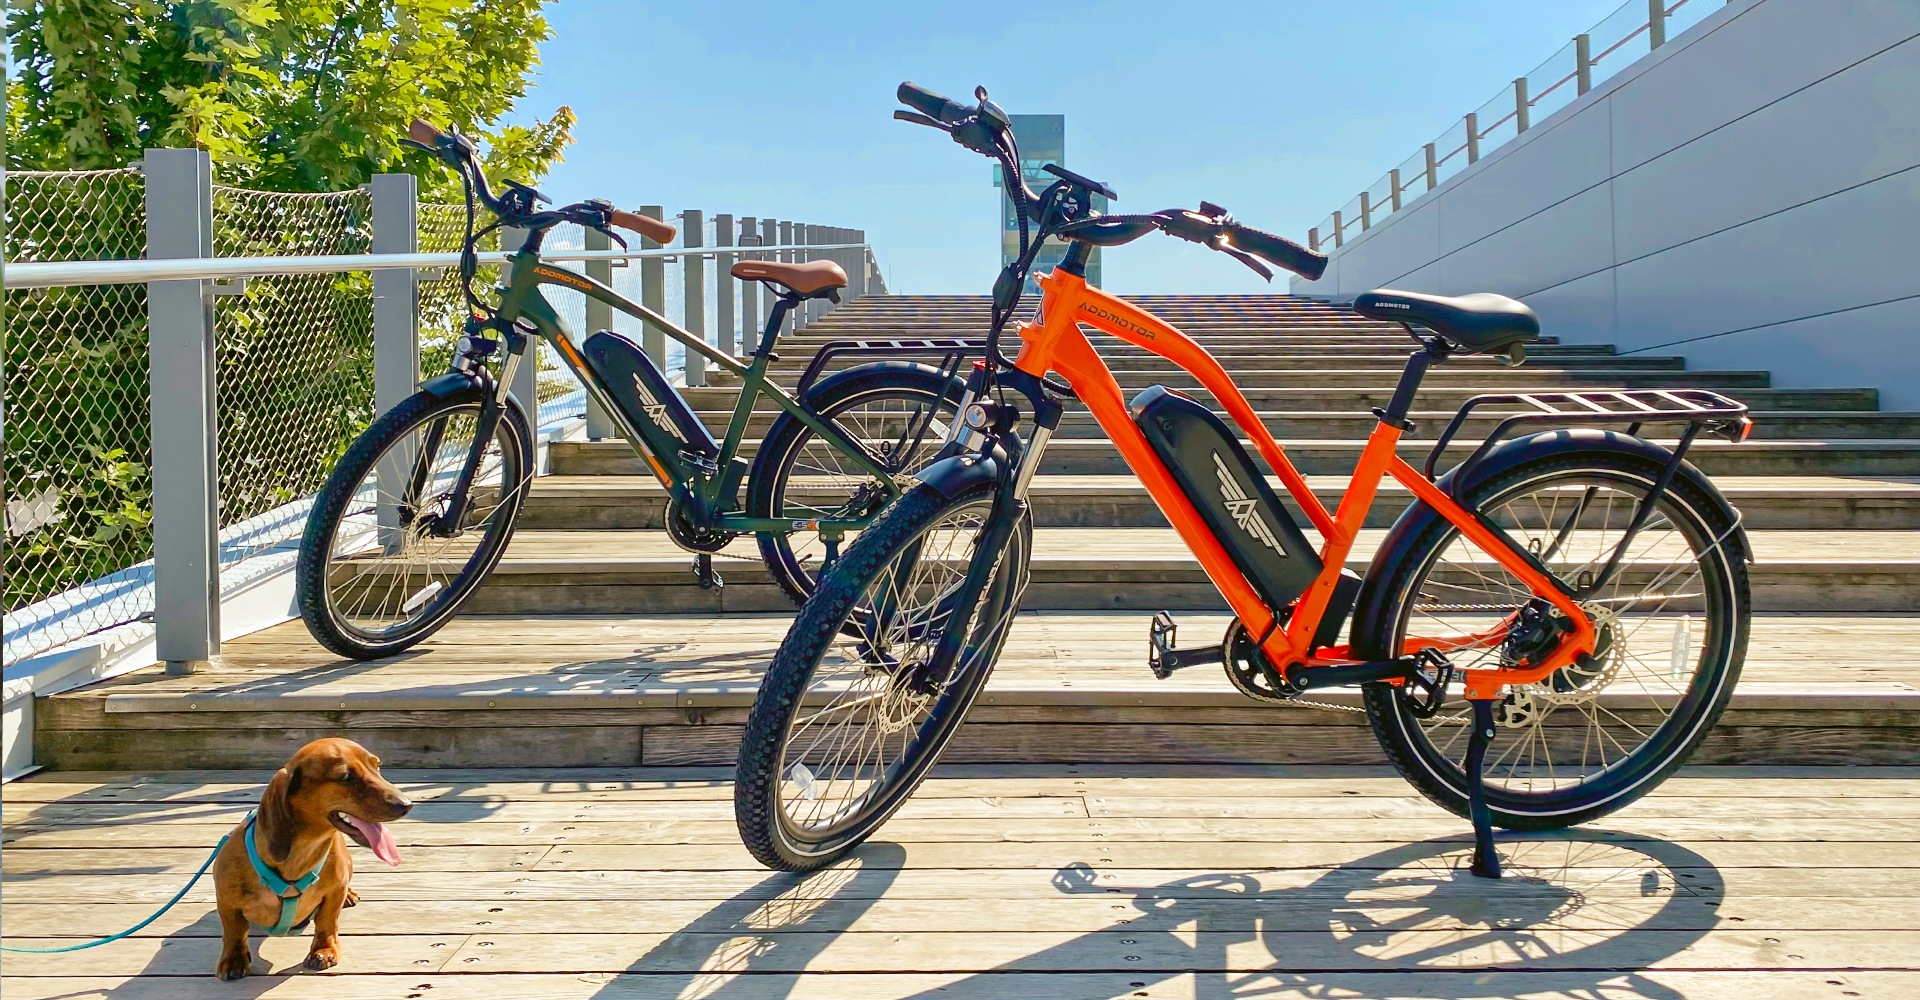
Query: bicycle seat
x,y
815,279
1482,321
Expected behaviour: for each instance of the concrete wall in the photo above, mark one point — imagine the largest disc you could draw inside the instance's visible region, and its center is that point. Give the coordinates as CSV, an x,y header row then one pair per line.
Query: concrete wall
x,y
1748,194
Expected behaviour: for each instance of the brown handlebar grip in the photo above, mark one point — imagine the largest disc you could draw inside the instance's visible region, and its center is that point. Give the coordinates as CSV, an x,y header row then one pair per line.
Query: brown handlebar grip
x,y
653,229
423,133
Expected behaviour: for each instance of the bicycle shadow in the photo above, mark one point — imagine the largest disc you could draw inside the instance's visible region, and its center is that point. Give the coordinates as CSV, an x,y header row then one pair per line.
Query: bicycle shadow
x,y
759,943
1572,902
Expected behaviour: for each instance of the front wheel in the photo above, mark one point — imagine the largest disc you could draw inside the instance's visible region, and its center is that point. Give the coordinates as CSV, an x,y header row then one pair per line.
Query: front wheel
x,y
850,718
1672,623
380,566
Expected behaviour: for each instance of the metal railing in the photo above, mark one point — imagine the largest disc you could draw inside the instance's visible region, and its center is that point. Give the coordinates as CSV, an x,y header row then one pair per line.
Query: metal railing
x,y
1608,47
170,412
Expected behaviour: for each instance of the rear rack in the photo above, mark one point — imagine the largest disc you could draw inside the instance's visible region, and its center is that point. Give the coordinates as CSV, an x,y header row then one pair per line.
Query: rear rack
x,y
1703,409
952,352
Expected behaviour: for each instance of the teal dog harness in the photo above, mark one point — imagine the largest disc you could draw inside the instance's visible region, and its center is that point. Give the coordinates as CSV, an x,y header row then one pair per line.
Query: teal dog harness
x,y
289,892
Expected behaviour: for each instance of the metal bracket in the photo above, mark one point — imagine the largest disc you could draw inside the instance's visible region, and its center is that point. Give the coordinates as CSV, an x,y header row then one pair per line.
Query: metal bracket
x,y
224,287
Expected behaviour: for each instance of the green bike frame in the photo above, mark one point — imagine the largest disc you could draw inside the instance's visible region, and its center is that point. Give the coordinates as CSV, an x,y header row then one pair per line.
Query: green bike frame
x,y
709,496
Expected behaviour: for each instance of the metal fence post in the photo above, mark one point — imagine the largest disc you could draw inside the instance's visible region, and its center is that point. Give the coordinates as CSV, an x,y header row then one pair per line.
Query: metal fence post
x,y
1582,64
1366,211
1313,239
526,381
186,439
693,270
396,325
1473,137
1339,234
653,292
1433,167
749,290
787,232
858,257
1520,105
599,317
1656,24
396,293
723,281
1393,181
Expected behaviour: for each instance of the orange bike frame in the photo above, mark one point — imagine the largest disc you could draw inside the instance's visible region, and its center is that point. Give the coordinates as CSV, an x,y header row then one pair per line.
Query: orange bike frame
x,y
1057,344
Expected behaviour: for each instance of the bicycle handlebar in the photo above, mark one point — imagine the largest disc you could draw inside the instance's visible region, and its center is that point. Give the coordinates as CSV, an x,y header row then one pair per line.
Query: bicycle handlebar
x,y
651,228
1277,250
933,105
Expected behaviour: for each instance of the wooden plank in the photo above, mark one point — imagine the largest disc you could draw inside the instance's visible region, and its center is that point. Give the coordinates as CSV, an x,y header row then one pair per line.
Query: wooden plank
x,y
1279,782
865,880
188,834
1143,950
47,862
1064,913
1497,985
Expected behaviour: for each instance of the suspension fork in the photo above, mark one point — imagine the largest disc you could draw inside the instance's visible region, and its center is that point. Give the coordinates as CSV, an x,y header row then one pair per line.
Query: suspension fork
x,y
1009,507
493,402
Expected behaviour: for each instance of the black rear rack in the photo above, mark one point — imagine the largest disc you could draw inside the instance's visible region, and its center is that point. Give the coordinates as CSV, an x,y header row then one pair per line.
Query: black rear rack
x,y
1703,409
952,352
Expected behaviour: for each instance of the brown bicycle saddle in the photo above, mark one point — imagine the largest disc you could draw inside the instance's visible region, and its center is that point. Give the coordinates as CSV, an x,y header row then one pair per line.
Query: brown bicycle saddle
x,y
814,279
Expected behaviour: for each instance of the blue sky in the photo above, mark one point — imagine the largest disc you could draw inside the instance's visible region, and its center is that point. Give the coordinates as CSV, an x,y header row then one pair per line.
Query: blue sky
x,y
1279,111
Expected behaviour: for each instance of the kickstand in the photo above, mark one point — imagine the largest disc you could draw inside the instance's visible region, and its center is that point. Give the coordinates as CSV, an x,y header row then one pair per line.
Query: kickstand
x,y
1486,860
703,571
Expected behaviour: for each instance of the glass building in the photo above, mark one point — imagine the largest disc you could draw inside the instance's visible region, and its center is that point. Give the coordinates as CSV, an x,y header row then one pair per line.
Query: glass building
x,y
1043,140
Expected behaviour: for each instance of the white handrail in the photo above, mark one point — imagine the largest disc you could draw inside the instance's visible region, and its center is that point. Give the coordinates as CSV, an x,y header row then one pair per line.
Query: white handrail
x,y
57,274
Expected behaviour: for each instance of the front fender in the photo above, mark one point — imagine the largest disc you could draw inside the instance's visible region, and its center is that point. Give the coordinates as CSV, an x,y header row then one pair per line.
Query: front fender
x,y
956,474
448,383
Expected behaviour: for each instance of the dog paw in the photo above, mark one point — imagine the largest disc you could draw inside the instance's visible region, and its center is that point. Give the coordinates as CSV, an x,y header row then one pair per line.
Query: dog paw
x,y
233,967
353,898
322,958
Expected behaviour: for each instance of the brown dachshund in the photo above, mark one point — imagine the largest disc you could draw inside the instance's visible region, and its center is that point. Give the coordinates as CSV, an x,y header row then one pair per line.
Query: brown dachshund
x,y
328,791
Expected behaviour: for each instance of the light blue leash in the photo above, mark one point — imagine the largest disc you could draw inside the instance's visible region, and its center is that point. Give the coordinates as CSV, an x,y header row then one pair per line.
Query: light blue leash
x,y
267,875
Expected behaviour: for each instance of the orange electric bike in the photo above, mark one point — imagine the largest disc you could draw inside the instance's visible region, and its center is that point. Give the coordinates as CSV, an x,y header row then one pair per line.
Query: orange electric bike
x,y
1544,634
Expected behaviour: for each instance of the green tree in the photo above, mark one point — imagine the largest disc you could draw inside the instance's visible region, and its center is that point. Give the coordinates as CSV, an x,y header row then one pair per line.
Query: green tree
x,y
285,95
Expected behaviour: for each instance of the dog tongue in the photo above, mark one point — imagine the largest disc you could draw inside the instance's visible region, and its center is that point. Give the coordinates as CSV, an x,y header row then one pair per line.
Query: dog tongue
x,y
379,838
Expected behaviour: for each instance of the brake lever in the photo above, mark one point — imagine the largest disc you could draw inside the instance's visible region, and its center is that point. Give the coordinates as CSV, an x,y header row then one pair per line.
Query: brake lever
x,y
920,119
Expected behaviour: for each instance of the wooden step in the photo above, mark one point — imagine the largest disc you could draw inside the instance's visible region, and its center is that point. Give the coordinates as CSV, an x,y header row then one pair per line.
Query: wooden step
x,y
1355,426
602,572
1432,399
1836,457
662,689
1065,501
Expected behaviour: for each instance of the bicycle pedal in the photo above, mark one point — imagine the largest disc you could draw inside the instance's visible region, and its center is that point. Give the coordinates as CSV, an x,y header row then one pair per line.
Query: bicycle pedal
x,y
703,573
1163,658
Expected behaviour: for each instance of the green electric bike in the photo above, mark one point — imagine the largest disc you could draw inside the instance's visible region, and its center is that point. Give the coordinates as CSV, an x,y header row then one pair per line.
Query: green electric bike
x,y
422,505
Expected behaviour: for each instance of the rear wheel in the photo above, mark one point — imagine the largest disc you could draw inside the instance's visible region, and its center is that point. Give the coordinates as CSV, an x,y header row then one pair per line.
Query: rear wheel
x,y
900,411
848,720
1672,627
378,570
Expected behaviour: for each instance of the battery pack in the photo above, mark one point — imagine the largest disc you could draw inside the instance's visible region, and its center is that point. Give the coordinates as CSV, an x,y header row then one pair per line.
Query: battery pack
x,y
1211,468
646,397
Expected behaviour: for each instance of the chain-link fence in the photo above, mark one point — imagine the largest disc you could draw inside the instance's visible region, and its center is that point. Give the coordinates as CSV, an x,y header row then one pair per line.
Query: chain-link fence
x,y
295,380
295,355
77,465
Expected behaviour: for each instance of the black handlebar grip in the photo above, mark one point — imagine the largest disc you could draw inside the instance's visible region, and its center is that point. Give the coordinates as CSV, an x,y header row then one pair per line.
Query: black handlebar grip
x,y
932,105
1279,251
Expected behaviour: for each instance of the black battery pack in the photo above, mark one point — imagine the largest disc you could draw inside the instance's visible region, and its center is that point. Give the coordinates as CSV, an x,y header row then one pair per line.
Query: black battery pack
x,y
645,396
1206,460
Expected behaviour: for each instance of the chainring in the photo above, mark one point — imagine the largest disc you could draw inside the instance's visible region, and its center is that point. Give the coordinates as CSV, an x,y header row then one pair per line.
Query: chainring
x,y
1246,667
694,539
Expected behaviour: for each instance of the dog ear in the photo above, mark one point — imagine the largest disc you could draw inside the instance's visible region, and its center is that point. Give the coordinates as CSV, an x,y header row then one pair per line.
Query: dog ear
x,y
276,812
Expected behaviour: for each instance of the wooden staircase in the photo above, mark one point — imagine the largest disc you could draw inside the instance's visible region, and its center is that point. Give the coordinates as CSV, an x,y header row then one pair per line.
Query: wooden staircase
x,y
606,652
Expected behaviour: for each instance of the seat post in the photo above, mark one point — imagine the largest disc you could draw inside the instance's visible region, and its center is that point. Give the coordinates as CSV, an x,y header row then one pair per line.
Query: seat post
x,y
776,317
1434,352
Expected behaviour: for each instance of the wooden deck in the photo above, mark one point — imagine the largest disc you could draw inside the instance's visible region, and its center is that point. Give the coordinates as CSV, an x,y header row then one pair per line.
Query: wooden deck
x,y
1006,882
